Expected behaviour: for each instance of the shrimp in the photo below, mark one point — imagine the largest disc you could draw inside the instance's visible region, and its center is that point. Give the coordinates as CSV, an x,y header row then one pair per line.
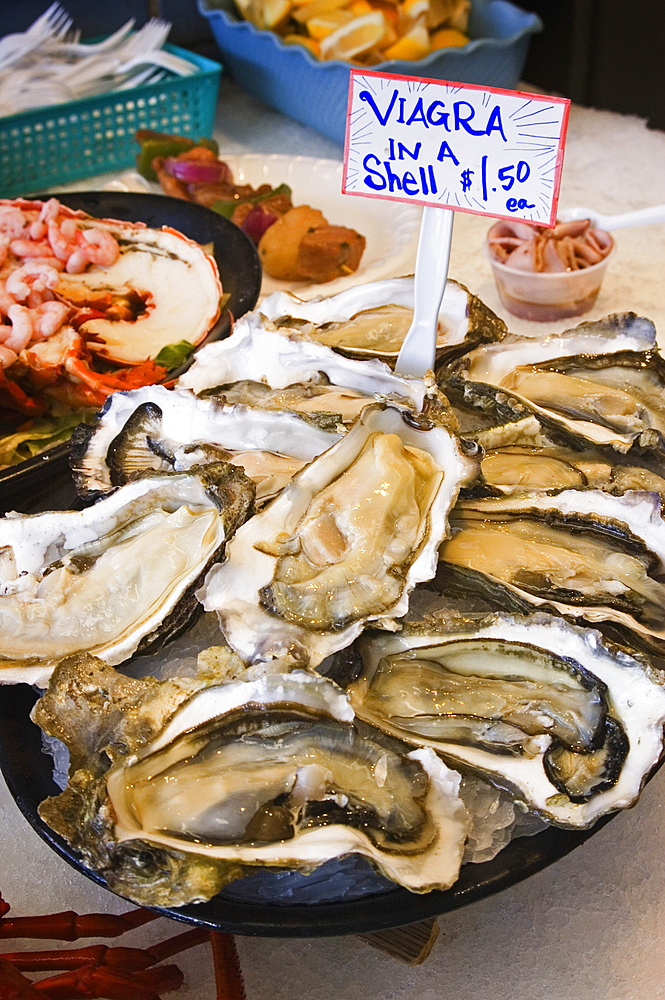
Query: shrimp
x,y
77,262
7,356
31,277
99,246
4,247
12,221
37,230
6,299
30,248
49,211
61,245
21,330
47,318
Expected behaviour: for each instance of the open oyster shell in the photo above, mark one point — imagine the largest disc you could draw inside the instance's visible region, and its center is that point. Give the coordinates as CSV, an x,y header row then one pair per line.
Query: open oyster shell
x,y
545,709
164,430
74,581
345,542
583,553
372,320
271,772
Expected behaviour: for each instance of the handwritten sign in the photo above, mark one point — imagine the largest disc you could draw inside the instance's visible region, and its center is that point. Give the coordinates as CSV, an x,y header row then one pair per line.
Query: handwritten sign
x,y
472,149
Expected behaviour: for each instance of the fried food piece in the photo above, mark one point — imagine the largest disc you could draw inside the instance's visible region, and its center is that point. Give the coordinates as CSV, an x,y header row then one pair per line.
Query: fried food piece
x,y
330,252
280,244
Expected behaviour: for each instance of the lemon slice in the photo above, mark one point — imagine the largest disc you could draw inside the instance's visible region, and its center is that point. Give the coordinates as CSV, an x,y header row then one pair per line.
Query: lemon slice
x,y
309,43
413,45
358,36
326,24
316,8
446,38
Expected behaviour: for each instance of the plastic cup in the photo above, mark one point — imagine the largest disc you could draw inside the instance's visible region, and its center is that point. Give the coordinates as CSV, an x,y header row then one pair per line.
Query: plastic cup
x,y
545,296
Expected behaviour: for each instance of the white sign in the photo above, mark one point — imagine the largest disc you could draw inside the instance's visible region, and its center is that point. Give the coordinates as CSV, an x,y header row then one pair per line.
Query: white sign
x,y
472,149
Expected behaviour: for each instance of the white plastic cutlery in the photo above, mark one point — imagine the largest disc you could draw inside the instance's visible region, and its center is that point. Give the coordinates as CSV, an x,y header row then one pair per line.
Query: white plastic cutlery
x,y
640,217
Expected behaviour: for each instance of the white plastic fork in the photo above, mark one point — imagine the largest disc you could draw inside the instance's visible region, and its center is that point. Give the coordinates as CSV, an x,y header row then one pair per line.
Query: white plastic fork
x,y
53,23
91,48
167,60
640,217
418,350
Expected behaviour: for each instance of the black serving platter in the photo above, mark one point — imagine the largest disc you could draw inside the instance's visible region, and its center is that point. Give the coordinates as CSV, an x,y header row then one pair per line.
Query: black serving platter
x,y
28,772
239,270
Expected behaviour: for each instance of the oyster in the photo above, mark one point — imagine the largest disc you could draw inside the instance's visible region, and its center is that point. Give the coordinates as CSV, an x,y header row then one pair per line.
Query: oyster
x,y
545,709
525,449
584,553
270,772
345,542
73,581
612,334
158,429
372,320
259,351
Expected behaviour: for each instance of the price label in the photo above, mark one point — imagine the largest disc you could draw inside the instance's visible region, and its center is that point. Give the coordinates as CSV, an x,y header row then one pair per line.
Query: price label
x,y
472,149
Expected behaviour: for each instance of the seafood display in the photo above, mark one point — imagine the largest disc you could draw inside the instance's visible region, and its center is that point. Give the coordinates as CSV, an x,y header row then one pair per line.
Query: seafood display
x,y
295,243
87,306
436,602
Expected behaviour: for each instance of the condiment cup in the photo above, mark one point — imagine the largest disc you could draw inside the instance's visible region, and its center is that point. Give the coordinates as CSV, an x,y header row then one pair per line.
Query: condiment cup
x,y
546,296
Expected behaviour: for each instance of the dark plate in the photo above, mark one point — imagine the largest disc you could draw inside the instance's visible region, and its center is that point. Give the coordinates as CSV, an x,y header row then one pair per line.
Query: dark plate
x,y
239,271
28,773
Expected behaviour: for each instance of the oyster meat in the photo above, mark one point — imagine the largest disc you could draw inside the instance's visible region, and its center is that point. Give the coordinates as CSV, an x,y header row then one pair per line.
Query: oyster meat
x,y
543,708
270,772
73,581
345,542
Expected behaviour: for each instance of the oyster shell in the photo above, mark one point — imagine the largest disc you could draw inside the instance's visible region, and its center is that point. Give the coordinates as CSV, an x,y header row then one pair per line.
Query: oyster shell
x,y
612,334
73,581
570,725
584,553
345,542
372,320
269,772
278,357
158,429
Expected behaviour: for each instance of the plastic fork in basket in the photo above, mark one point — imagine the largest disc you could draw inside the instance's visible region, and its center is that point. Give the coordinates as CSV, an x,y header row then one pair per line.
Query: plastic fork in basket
x,y
54,23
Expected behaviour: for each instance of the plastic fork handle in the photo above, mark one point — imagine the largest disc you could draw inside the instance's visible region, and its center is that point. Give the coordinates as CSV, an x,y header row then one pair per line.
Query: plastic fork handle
x,y
432,257
640,217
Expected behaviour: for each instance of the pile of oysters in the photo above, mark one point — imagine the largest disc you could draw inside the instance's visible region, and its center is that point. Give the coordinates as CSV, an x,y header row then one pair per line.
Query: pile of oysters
x,y
431,593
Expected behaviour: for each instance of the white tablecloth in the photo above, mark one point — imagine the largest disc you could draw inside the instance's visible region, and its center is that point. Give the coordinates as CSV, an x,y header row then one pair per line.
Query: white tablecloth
x,y
591,927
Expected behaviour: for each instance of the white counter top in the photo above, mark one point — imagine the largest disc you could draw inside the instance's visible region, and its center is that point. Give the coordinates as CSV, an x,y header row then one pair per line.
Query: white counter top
x,y
590,927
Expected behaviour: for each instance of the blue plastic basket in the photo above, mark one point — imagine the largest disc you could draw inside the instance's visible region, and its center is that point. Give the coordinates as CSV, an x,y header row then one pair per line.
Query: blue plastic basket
x,y
292,81
62,143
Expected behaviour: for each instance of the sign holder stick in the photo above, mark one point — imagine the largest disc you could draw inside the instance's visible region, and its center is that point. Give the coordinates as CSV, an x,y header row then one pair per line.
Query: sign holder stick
x,y
433,255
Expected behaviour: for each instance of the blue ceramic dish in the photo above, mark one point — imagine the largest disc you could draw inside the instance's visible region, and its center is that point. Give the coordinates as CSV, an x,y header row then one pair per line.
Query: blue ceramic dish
x,y
315,93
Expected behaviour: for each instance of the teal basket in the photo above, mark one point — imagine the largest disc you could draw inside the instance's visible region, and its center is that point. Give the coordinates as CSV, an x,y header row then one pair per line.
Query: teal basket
x,y
62,143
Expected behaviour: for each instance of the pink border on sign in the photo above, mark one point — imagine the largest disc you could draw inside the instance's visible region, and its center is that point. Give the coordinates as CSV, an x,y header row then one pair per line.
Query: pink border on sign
x,y
357,71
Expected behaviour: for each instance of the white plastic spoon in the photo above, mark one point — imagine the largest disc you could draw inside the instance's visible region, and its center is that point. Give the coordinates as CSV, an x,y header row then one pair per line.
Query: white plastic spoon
x,y
641,217
419,348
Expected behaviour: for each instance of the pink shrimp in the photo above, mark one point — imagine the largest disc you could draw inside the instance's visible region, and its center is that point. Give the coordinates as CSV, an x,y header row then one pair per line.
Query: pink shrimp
x,y
12,221
30,248
4,247
61,245
37,230
21,330
49,210
99,246
7,356
30,277
6,299
47,319
77,262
